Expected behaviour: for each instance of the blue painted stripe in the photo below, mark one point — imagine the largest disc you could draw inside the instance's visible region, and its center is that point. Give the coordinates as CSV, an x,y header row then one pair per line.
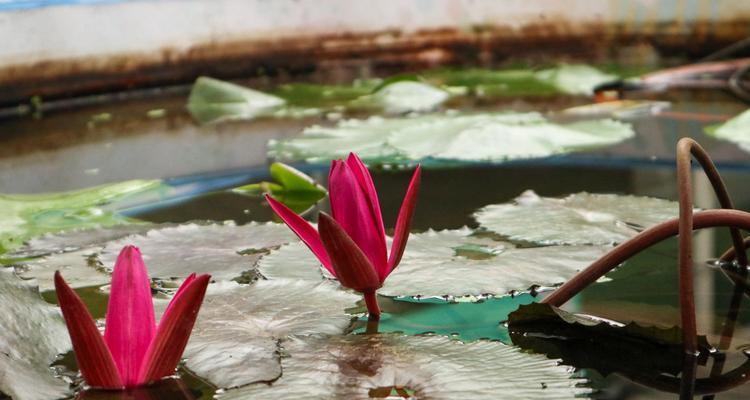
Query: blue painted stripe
x,y
8,5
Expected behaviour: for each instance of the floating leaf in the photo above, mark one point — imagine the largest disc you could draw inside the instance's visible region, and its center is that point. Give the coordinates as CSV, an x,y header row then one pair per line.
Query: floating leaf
x,y
489,137
618,109
627,349
426,367
76,239
224,251
32,334
23,216
294,188
465,321
735,130
79,268
212,100
576,79
436,264
403,96
234,342
580,218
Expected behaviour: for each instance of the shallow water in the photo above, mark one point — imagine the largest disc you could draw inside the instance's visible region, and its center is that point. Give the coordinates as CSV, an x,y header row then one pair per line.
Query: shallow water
x,y
63,151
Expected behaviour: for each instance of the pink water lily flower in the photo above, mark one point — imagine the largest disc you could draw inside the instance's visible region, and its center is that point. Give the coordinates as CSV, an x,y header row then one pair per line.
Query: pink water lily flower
x,y
351,244
133,350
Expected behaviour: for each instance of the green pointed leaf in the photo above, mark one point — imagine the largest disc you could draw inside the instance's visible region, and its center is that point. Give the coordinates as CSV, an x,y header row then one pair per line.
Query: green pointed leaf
x,y
212,100
581,218
295,189
427,367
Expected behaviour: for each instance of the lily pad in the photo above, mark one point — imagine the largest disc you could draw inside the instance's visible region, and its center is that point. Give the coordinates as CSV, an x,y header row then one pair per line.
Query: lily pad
x,y
23,216
292,187
735,130
224,251
575,79
451,264
581,218
458,138
76,239
624,348
80,269
405,96
234,342
622,109
33,333
434,367
212,100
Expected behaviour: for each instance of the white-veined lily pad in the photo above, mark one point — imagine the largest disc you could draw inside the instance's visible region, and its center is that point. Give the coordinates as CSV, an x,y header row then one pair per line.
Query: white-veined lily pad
x,y
405,96
489,137
76,239
212,100
736,130
576,79
424,367
451,264
581,218
224,251
79,268
234,342
32,334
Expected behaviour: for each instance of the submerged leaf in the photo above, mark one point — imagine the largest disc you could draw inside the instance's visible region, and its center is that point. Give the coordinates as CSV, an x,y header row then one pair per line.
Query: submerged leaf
x,y
212,100
224,251
23,216
617,347
32,334
736,130
437,264
234,342
581,218
434,367
489,137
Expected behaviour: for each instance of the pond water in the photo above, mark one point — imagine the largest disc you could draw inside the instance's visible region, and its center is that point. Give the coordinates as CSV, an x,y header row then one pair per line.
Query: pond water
x,y
66,150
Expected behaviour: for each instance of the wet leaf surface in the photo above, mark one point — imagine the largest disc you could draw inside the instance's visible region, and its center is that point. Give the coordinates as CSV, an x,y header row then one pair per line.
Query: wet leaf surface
x,y
79,268
224,251
575,79
212,100
76,239
404,96
33,333
25,216
735,130
606,346
451,264
234,342
450,138
581,218
368,366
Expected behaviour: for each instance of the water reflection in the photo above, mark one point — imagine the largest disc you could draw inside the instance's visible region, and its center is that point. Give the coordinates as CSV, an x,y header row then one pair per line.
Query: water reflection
x,y
172,389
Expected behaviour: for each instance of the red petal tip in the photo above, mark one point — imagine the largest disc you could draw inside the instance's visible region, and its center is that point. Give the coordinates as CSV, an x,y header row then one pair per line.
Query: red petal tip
x,y
353,269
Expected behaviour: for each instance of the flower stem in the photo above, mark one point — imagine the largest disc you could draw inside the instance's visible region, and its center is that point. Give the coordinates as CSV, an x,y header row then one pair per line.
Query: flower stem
x,y
371,300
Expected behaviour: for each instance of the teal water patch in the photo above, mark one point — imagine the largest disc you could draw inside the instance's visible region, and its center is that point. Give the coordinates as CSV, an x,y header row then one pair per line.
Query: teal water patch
x,y
464,321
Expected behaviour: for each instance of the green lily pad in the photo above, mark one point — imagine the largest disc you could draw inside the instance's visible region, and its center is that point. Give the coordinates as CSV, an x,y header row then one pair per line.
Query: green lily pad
x,y
235,340
293,188
212,100
581,218
403,96
33,333
446,138
436,264
224,251
464,321
25,216
735,130
575,79
425,367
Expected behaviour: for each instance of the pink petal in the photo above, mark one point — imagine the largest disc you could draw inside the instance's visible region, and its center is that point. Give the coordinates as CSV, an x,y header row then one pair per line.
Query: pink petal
x,y
174,330
362,174
353,268
181,289
130,323
303,229
403,223
94,359
352,210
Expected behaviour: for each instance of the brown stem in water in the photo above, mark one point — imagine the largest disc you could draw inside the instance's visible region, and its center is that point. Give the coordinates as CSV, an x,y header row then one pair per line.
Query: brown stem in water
x,y
371,300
